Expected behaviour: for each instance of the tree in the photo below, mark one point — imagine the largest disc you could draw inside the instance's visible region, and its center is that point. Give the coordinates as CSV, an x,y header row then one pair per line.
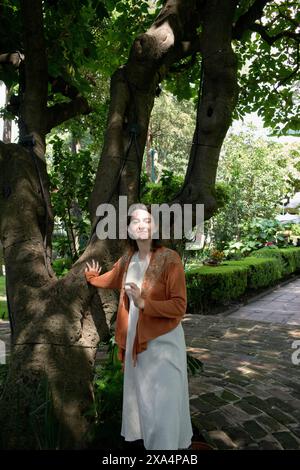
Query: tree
x,y
259,173
49,55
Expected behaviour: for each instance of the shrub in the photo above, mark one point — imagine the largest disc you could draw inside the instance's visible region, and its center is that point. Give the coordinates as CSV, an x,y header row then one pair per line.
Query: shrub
x,y
288,257
209,286
261,272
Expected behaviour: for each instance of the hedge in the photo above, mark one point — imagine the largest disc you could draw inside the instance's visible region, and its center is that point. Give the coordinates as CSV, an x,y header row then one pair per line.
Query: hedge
x,y
289,257
209,287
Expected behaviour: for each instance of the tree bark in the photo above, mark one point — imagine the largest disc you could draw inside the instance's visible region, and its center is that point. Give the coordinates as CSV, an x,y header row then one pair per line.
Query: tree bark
x,y
217,99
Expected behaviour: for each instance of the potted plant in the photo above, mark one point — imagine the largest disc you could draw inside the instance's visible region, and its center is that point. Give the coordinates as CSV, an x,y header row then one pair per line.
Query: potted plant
x,y
215,258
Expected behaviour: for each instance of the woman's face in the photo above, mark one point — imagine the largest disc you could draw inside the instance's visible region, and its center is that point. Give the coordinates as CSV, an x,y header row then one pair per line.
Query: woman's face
x,y
142,225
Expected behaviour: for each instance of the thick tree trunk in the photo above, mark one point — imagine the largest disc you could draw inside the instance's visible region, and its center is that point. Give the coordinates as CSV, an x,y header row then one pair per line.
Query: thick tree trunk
x,y
56,322
217,99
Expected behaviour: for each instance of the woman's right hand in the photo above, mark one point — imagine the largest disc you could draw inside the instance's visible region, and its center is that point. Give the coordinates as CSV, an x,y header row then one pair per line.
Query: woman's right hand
x,y
94,267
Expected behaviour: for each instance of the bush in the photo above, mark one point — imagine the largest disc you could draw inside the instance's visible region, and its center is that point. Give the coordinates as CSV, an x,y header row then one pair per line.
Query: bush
x,y
261,272
289,257
212,287
208,286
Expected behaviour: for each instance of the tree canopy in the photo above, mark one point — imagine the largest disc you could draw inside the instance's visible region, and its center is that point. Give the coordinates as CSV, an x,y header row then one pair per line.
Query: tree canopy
x,y
87,40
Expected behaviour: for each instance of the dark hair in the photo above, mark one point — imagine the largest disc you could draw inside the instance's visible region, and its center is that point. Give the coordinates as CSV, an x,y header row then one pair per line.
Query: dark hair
x,y
131,244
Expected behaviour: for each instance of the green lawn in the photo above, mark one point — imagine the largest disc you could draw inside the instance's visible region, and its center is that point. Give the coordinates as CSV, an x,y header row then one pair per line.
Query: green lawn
x,y
3,304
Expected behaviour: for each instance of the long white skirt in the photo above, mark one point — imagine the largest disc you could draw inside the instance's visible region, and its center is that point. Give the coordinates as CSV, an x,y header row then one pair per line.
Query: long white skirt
x,y
155,395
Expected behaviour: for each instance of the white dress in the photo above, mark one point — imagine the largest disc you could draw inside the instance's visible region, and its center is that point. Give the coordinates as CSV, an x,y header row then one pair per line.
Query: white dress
x,y
155,394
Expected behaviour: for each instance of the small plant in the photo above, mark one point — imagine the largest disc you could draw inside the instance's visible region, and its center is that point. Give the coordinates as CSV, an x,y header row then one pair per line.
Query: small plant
x,y
217,255
107,407
215,258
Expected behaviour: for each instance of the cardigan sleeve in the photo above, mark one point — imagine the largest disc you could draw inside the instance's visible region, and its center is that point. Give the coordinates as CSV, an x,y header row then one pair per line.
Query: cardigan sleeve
x,y
175,304
110,280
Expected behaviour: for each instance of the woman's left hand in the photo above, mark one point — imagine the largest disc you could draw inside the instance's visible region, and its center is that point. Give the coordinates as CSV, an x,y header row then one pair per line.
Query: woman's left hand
x,y
135,292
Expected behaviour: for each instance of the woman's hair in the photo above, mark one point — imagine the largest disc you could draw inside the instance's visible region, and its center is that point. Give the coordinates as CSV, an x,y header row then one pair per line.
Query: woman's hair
x,y
130,242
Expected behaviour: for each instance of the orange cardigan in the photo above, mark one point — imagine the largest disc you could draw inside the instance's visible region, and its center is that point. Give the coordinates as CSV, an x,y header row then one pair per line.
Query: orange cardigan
x,y
164,293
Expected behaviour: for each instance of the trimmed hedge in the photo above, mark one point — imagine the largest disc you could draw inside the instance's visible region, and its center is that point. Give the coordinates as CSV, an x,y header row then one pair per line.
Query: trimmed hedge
x,y
261,272
289,257
210,287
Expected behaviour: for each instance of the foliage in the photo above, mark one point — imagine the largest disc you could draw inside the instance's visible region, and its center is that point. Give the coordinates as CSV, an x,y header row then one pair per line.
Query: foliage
x,y
268,78
256,234
3,303
87,40
107,406
208,286
70,181
61,266
162,192
288,257
211,288
257,174
261,272
217,255
171,129
295,228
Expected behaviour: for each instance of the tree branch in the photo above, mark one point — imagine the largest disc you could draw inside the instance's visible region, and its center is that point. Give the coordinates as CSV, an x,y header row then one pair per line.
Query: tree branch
x,y
59,85
262,31
255,12
59,113
293,73
34,96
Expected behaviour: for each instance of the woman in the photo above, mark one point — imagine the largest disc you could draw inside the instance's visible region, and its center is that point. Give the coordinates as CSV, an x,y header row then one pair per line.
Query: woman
x,y
150,337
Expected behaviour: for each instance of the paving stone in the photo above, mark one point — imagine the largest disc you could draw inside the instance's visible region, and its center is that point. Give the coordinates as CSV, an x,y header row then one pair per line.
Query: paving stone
x,y
229,396
252,446
287,440
218,419
257,402
213,399
234,414
296,430
280,416
245,406
221,440
254,429
269,423
273,401
238,436
269,444
204,423
202,406
260,391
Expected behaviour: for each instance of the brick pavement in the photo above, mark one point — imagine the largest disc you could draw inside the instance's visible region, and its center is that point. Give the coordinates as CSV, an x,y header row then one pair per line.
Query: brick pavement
x,y
248,396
